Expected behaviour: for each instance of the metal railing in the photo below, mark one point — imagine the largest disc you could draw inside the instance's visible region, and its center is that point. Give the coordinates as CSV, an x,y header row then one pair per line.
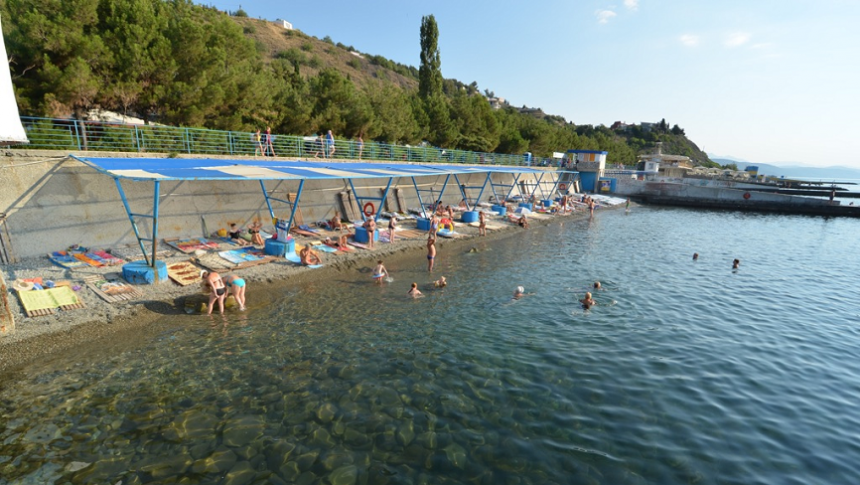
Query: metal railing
x,y
76,135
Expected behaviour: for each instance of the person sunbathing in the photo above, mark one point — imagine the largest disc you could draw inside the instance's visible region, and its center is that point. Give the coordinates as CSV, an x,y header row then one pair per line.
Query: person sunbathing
x,y
236,235
309,256
335,224
254,230
523,222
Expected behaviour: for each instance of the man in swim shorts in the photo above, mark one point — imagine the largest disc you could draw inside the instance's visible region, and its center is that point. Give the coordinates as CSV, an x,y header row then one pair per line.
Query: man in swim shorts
x,y
587,302
217,290
379,272
237,289
431,253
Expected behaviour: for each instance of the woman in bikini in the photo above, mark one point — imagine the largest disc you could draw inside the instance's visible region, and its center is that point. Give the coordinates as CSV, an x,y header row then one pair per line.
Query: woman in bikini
x,y
392,225
237,289
254,231
217,290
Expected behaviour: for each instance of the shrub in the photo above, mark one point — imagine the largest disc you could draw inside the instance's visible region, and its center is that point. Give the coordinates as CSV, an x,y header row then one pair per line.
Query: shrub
x,y
354,63
307,46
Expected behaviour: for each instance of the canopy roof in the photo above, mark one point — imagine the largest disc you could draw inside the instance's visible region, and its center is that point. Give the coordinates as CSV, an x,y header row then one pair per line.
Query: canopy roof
x,y
242,169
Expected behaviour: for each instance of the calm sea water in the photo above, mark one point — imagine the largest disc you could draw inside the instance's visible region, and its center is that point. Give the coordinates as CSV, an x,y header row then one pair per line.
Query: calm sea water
x,y
685,372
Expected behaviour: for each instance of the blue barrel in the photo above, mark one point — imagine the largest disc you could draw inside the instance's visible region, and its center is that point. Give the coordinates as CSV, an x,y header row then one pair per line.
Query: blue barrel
x,y
423,224
469,216
140,273
502,210
278,248
547,203
361,235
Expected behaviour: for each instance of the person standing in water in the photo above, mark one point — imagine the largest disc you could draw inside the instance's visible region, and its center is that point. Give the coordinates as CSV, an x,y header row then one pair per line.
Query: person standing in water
x,y
217,290
431,252
236,286
414,292
379,272
482,224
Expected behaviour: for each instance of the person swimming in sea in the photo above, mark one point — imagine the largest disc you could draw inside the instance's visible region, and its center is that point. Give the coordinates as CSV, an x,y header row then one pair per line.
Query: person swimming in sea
x,y
519,292
441,282
597,286
695,256
736,264
587,302
414,292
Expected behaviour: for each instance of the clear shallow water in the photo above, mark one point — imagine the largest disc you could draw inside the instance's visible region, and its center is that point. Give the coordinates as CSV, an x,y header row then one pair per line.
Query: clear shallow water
x,y
684,373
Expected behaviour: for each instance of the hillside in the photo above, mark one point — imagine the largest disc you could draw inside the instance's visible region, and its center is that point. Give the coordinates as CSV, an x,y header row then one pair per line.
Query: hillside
x,y
181,64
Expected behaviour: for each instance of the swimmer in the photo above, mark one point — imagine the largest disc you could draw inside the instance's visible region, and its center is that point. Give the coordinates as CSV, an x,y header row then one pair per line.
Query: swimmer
x,y
587,302
414,292
440,283
597,286
519,292
736,264
695,256
379,272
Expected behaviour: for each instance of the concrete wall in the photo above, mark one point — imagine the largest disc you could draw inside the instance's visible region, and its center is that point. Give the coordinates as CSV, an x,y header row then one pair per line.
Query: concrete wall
x,y
52,202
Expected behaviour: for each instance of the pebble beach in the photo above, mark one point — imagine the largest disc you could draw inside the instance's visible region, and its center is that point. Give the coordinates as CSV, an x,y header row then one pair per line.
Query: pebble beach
x,y
38,337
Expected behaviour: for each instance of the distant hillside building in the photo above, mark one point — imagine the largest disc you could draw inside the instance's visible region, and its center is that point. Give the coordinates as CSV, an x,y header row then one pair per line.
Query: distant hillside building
x,y
497,103
620,126
667,165
283,23
647,126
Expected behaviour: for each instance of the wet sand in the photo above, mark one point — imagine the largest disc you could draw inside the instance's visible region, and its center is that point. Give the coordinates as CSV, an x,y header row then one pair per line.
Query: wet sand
x,y
36,339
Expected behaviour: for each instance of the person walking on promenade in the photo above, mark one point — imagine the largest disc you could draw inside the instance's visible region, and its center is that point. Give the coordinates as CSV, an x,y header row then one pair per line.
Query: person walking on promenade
x,y
269,140
329,144
482,224
237,289
258,143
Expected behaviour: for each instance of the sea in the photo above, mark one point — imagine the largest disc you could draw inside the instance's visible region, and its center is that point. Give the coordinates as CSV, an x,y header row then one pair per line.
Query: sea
x,y
685,372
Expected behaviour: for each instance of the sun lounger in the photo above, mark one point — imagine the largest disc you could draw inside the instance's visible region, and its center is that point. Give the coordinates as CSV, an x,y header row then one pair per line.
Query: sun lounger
x,y
111,288
188,246
184,273
39,303
66,260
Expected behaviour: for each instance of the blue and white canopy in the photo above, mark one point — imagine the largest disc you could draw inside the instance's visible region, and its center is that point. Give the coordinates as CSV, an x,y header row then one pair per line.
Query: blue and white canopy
x,y
143,169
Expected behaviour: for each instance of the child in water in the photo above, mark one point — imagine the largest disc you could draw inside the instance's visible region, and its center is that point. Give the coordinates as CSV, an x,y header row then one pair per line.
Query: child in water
x,y
414,292
440,283
379,272
587,302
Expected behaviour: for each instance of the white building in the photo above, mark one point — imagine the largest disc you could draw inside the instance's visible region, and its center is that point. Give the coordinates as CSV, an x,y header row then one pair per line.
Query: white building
x,y
283,23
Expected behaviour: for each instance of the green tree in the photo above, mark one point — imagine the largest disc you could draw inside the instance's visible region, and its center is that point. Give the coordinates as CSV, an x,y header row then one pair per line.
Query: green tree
x,y
430,71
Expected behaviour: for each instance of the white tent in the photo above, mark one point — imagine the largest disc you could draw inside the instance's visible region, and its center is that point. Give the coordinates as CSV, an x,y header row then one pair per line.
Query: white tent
x,y
11,129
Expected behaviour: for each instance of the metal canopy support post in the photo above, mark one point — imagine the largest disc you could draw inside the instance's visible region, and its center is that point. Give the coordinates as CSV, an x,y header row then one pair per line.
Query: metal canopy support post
x,y
537,186
464,187
294,205
381,200
150,261
493,188
269,200
266,195
511,189
156,196
418,193
442,192
555,184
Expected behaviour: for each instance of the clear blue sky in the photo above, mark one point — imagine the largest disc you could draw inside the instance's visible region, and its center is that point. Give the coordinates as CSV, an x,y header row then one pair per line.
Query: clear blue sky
x,y
765,81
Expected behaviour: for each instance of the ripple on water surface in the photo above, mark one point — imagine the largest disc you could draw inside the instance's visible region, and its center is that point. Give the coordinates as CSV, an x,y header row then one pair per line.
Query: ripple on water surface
x,y
685,372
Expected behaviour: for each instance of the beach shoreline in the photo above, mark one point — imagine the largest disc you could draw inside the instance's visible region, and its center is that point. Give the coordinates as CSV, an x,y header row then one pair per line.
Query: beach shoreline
x,y
38,338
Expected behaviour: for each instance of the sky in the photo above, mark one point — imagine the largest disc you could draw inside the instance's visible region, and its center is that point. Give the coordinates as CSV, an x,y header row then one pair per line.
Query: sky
x,y
763,81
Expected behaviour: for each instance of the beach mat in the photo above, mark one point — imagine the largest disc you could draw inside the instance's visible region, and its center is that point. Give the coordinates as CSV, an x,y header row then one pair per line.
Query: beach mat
x,y
111,288
39,303
184,273
244,255
188,246
67,260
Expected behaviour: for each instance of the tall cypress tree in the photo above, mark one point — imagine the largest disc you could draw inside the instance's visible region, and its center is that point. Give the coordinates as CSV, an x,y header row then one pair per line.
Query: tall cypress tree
x,y
430,72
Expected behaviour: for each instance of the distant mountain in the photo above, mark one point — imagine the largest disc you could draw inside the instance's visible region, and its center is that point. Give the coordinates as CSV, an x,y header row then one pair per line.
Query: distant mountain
x,y
824,173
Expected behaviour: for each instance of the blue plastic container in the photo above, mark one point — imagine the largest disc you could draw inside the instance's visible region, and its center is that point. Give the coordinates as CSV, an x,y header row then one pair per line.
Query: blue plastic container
x,y
423,224
547,203
278,248
361,235
140,273
469,216
502,210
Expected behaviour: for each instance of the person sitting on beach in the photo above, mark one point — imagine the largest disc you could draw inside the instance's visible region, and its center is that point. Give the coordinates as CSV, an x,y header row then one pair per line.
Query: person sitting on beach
x,y
334,224
522,222
414,292
236,235
392,226
519,292
370,225
237,289
482,224
217,289
587,302
450,212
441,282
254,231
309,256
379,272
462,205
